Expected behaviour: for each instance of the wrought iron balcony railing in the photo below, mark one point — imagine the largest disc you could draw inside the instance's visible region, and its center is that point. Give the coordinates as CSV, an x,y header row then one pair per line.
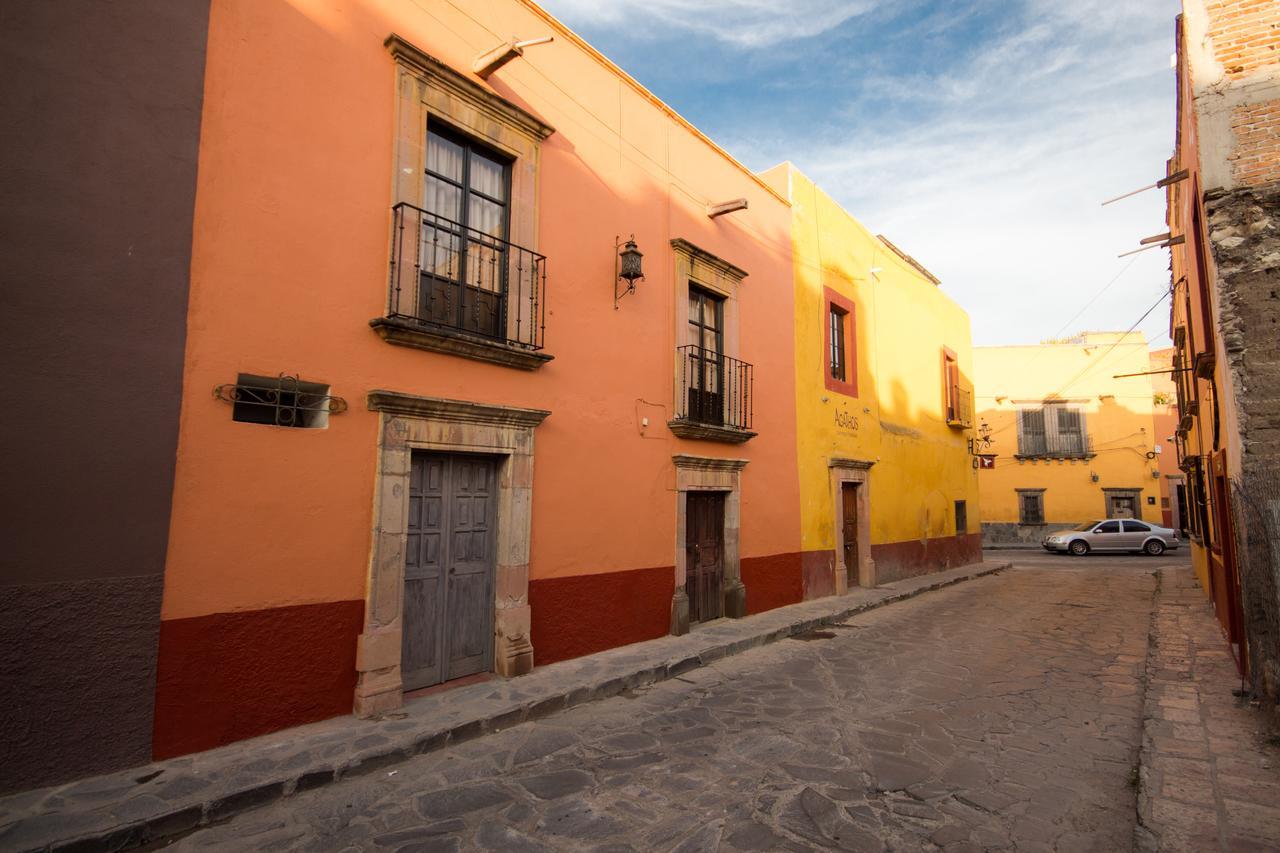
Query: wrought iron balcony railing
x,y
1060,446
446,276
715,390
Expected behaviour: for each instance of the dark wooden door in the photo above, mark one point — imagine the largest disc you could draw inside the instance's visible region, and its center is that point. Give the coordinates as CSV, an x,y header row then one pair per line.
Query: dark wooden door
x,y
704,555
849,528
449,568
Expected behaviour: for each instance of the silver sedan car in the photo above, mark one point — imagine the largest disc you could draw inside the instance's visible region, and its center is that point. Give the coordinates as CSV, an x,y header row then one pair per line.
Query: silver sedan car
x,y
1113,534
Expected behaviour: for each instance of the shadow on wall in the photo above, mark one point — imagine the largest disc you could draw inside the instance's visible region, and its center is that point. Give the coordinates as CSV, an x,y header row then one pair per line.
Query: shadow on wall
x,y
927,446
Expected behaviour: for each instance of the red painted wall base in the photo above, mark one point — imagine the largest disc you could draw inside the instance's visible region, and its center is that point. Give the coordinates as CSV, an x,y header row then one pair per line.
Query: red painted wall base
x,y
582,614
772,581
898,560
230,676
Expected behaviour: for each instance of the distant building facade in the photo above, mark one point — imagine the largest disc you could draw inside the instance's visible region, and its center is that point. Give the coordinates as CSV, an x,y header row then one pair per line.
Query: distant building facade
x,y
1072,442
1223,194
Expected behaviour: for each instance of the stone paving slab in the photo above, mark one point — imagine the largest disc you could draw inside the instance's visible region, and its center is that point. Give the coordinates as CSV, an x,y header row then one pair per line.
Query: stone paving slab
x,y
169,798
1210,766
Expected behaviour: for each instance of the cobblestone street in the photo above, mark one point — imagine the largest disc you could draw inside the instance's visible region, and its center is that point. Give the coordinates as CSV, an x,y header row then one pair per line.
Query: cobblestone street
x,y
1002,712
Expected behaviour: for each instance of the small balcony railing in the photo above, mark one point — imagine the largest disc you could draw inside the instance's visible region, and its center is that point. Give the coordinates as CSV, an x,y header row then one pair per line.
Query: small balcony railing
x,y
715,390
446,276
1061,446
960,407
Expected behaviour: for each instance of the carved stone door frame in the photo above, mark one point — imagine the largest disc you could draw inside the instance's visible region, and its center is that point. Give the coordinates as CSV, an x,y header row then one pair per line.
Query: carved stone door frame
x,y
856,471
407,423
713,474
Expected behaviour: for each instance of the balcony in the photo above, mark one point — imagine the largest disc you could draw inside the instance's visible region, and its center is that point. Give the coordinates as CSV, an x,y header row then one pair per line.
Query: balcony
x,y
1061,446
713,397
960,408
464,292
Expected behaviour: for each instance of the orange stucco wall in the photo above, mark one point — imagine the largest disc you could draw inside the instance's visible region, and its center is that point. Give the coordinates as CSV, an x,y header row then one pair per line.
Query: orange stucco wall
x,y
290,263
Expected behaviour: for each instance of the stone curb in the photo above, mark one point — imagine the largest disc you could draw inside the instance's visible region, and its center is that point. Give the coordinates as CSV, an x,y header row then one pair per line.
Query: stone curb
x,y
83,831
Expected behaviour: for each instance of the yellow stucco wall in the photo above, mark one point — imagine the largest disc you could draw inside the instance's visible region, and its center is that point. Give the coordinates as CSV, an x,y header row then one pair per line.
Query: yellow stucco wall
x,y
897,420
1118,420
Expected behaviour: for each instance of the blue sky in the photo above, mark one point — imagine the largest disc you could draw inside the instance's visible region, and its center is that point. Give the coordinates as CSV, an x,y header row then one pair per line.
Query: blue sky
x,y
978,136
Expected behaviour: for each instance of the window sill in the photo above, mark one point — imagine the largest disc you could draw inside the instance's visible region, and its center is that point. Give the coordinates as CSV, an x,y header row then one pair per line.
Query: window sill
x,y
1050,456
709,432
407,334
959,424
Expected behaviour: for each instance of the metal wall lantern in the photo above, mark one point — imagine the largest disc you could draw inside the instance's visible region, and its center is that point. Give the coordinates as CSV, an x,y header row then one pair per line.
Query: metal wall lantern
x,y
626,268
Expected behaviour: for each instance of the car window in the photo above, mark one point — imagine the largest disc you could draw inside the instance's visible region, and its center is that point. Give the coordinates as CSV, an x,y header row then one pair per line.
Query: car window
x,y
1108,527
1136,527
1088,525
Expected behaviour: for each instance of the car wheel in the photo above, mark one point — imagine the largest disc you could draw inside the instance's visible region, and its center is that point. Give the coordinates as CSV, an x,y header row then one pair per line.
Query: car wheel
x,y
1079,548
1153,548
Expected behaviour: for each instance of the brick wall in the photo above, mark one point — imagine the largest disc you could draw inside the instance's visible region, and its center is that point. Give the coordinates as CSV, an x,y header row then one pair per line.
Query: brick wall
x,y
1245,34
1255,160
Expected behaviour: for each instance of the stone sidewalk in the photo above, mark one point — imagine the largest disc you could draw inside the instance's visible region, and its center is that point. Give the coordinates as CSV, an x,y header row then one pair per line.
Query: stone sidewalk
x,y
170,798
1210,765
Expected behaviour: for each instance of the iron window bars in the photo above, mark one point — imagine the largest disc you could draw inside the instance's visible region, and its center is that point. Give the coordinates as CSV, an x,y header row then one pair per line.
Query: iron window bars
x,y
835,331
449,276
1063,437
715,389
281,400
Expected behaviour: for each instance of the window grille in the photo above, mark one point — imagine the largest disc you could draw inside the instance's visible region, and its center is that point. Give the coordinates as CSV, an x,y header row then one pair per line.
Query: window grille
x,y
1053,431
1031,508
837,357
281,400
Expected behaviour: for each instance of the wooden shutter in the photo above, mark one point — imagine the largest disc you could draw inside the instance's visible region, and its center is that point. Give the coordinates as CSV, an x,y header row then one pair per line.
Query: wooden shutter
x,y
1031,432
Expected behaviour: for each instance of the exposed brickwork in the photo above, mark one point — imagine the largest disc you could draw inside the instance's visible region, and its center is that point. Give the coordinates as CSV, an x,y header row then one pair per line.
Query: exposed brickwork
x,y
1245,34
1255,161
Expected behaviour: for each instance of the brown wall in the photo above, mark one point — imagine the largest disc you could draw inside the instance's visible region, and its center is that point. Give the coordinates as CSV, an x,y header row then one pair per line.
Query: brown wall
x,y
102,105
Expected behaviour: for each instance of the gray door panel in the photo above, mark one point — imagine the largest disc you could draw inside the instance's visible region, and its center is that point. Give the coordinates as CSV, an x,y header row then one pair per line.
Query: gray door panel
x,y
449,567
420,658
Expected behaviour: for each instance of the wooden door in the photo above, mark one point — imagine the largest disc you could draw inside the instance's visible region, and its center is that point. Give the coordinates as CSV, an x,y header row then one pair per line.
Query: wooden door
x,y
849,529
704,555
449,567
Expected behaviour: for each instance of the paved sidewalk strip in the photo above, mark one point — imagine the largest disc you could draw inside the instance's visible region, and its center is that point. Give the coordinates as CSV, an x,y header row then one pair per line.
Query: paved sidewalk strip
x,y
169,798
1210,765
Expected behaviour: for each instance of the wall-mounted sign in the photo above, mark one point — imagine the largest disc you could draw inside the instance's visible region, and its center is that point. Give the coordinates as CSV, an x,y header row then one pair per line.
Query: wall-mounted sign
x,y
846,420
987,460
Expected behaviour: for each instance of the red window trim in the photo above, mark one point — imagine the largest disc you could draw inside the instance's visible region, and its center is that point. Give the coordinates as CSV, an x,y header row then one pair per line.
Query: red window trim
x,y
831,298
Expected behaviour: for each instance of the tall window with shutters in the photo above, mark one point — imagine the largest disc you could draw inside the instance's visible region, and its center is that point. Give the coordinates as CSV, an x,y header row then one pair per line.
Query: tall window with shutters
x,y
1053,431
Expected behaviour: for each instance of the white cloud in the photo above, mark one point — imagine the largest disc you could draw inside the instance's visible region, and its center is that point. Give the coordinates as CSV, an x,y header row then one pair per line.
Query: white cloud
x,y
746,23
998,189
